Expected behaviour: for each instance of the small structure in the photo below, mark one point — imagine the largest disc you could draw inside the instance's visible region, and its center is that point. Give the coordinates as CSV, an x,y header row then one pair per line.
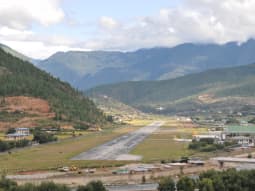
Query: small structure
x,y
243,135
199,137
197,162
20,133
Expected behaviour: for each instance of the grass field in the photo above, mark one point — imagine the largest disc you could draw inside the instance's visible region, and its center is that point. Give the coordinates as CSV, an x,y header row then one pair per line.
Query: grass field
x,y
2,136
161,145
52,156
158,146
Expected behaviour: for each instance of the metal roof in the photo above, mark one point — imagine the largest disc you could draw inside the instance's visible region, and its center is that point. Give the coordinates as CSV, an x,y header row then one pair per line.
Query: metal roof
x,y
240,129
233,159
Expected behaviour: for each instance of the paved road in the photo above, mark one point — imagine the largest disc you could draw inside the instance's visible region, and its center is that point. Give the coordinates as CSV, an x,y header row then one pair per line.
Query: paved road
x,y
118,149
133,187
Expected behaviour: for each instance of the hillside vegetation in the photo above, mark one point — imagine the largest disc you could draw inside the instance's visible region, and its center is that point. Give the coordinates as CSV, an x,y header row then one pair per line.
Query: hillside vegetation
x,y
232,85
20,78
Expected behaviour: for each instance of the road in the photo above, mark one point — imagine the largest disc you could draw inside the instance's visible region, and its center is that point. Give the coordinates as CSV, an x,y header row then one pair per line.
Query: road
x,y
133,187
118,149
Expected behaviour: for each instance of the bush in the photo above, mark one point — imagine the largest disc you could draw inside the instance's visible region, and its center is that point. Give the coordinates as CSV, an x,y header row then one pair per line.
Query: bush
x,y
92,186
205,145
166,184
43,137
7,145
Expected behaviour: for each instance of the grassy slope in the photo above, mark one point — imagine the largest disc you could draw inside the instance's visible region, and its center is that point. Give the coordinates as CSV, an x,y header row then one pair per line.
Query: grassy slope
x,y
18,77
238,81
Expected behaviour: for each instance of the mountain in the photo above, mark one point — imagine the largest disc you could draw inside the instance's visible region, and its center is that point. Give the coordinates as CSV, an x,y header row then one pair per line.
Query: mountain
x,y
89,69
118,110
217,88
27,92
13,52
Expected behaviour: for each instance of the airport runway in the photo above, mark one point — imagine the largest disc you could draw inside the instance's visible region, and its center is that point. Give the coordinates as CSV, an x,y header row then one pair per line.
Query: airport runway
x,y
118,148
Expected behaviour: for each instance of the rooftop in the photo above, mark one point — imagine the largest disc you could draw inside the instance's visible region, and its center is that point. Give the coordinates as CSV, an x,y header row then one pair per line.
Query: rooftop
x,y
240,129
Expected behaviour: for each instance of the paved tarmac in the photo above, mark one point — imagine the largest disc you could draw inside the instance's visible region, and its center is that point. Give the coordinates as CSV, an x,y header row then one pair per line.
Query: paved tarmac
x,y
134,187
118,148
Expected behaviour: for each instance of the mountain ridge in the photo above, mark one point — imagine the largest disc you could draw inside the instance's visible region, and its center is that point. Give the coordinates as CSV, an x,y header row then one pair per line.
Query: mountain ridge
x,y
89,69
193,89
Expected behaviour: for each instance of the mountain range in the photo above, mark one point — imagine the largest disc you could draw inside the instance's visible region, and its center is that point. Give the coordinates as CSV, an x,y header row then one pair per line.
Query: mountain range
x,y
85,70
218,89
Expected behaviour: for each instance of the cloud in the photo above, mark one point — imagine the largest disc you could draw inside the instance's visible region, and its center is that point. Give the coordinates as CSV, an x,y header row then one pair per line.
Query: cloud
x,y
16,26
204,21
19,14
108,23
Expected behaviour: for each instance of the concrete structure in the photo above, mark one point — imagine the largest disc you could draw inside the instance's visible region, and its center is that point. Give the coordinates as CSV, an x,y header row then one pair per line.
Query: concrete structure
x,y
223,160
243,135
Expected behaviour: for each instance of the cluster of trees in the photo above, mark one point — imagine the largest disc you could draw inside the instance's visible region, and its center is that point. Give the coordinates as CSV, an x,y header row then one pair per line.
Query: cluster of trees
x,y
43,137
205,145
23,79
9,185
229,180
92,186
7,145
208,145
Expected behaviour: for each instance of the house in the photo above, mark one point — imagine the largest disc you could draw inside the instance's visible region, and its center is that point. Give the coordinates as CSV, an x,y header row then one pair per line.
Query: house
x,y
20,133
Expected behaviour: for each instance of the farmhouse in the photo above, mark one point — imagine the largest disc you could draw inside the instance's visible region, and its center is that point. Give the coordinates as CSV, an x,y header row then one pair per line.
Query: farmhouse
x,y
20,133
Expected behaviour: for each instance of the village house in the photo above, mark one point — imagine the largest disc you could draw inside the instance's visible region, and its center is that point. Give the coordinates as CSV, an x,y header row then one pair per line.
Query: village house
x,y
20,133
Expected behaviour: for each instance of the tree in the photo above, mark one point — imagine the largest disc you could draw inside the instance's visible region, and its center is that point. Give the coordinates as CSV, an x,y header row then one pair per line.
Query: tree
x,y
206,184
92,186
186,184
43,137
166,184
6,184
11,130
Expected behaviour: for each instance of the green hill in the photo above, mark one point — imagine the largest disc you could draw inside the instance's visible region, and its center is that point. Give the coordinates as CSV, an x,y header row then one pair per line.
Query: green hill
x,y
118,110
214,88
20,78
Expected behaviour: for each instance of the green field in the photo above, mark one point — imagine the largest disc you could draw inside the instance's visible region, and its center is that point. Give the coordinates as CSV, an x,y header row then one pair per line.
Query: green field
x,y
162,146
159,146
52,156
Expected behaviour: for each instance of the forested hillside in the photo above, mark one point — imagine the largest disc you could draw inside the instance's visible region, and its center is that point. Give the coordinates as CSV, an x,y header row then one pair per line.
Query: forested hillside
x,y
20,78
190,91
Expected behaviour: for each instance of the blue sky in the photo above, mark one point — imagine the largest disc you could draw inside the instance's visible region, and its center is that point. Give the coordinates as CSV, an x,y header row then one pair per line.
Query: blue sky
x,y
85,14
39,28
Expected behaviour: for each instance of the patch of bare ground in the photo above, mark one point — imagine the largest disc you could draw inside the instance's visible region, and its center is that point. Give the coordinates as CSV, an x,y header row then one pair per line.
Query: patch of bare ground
x,y
34,109
211,99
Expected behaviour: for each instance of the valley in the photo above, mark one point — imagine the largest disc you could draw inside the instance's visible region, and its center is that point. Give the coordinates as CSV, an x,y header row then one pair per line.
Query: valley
x,y
125,134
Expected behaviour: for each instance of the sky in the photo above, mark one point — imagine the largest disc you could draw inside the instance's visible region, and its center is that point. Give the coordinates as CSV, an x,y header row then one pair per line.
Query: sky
x,y
39,28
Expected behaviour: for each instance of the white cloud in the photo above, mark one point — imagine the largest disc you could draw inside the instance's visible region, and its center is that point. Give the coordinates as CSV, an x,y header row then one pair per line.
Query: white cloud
x,y
17,18
217,21
20,14
108,23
